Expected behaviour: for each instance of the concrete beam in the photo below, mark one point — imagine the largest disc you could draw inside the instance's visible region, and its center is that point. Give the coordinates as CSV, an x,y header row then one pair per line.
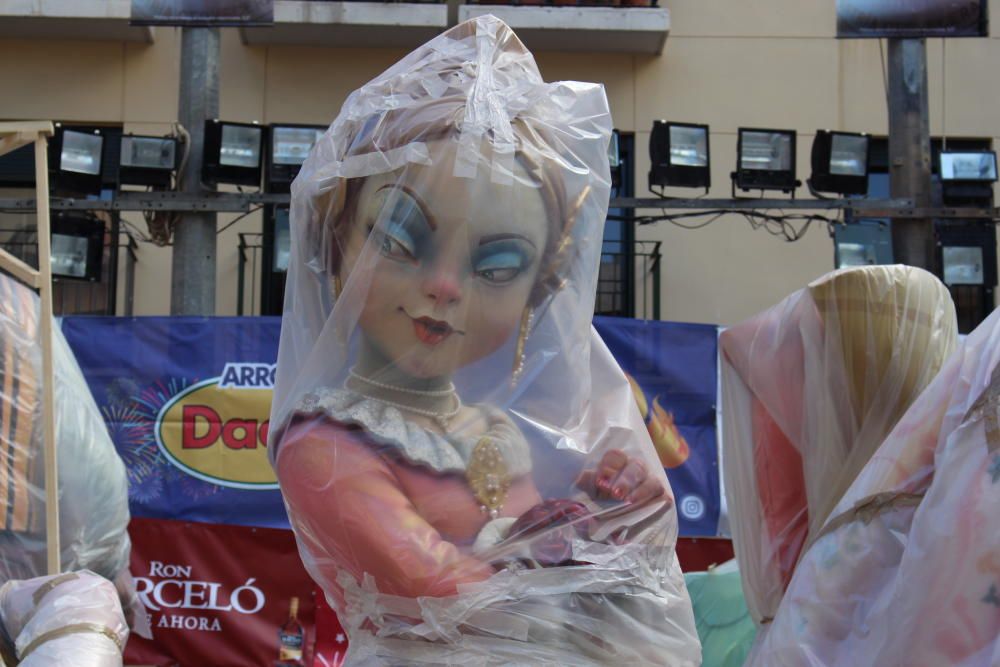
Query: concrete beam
x,y
351,24
106,20
593,29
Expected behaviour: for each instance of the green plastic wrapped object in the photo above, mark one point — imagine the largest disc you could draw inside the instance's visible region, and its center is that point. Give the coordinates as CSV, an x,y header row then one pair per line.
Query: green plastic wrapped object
x,y
724,625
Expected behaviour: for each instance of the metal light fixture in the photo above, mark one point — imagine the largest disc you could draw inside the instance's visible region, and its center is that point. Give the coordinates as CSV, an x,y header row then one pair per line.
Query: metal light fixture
x,y
147,160
77,247
233,153
968,253
968,166
288,148
864,243
76,157
840,162
962,265
679,155
765,160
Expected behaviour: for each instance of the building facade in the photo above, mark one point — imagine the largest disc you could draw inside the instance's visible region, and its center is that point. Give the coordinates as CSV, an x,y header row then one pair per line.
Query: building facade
x,y
770,64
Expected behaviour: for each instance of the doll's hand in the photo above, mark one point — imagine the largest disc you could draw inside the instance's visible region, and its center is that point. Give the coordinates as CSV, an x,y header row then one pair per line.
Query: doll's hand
x,y
621,477
551,526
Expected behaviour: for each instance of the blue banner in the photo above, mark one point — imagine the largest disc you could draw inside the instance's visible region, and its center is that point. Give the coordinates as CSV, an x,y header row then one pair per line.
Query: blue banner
x,y
187,402
672,367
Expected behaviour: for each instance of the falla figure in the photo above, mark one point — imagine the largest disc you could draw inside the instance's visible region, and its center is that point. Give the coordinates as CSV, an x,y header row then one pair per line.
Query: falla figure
x,y
466,471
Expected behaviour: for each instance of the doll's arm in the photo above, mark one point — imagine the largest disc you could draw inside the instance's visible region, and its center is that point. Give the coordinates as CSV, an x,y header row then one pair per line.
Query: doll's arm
x,y
347,504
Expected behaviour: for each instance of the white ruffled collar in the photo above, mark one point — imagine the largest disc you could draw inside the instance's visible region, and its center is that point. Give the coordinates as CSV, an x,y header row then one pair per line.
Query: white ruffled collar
x,y
387,425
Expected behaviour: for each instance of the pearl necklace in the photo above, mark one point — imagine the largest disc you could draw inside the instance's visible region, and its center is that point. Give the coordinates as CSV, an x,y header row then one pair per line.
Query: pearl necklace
x,y
441,417
403,390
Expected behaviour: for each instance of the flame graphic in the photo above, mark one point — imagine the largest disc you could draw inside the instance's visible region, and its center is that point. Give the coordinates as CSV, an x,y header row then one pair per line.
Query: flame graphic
x,y
670,445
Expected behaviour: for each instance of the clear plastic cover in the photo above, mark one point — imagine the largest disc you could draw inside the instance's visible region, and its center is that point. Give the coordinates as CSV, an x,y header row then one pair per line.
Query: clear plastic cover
x,y
811,387
463,462
906,569
66,620
93,488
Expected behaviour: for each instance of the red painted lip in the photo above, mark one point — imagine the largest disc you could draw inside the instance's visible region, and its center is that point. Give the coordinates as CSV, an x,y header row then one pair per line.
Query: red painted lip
x,y
430,331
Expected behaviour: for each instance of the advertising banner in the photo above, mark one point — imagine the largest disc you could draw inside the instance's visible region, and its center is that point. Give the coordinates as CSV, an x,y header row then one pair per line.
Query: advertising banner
x,y
220,595
912,18
672,368
187,402
203,12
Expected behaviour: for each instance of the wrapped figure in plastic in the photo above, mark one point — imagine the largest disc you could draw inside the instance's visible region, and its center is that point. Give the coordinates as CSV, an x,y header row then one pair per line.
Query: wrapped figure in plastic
x,y
906,568
65,620
811,387
93,489
463,463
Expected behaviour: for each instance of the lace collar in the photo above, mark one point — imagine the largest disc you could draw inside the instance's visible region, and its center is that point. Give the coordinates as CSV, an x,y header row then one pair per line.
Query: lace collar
x,y
441,453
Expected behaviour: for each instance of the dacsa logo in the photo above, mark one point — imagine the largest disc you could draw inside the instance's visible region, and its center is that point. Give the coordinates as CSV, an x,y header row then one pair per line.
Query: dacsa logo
x,y
216,430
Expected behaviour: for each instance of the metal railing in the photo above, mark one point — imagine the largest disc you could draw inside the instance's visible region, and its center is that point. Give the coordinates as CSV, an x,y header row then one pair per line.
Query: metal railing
x,y
250,249
628,284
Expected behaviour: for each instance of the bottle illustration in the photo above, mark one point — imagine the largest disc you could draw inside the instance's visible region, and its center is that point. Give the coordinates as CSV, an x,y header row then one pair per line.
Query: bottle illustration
x,y
291,638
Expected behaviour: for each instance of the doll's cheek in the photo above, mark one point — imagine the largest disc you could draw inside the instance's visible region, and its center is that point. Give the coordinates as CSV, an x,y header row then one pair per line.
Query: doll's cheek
x,y
496,335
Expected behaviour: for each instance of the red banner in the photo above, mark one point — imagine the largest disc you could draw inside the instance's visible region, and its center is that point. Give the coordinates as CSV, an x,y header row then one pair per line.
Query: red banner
x,y
219,595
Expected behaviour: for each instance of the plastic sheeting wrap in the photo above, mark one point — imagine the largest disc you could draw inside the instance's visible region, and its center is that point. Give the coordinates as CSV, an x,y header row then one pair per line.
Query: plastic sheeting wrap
x,y
67,620
811,387
906,570
464,465
93,489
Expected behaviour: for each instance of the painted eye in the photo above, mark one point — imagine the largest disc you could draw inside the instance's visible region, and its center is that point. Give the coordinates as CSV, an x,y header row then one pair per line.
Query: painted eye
x,y
499,275
394,242
404,230
501,267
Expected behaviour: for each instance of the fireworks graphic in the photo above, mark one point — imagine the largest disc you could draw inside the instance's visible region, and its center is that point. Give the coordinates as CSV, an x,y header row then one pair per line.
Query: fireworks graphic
x,y
131,417
130,433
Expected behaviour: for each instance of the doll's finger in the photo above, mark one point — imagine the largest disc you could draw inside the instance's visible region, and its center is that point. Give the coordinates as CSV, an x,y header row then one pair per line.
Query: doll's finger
x,y
649,489
631,476
608,470
586,482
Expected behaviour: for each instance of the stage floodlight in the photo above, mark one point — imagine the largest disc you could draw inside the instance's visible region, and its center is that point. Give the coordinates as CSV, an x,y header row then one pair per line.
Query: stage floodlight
x,y
968,166
233,153
77,247
863,243
147,160
765,160
840,162
288,148
76,158
962,265
679,155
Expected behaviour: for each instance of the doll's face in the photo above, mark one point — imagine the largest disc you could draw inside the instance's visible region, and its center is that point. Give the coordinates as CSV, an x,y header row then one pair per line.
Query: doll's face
x,y
454,262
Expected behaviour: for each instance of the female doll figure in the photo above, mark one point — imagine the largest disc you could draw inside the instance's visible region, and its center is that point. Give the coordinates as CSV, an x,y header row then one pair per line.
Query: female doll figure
x,y
462,460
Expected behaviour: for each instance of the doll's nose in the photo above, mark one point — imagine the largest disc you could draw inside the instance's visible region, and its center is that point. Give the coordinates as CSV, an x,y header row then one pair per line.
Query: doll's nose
x,y
442,287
